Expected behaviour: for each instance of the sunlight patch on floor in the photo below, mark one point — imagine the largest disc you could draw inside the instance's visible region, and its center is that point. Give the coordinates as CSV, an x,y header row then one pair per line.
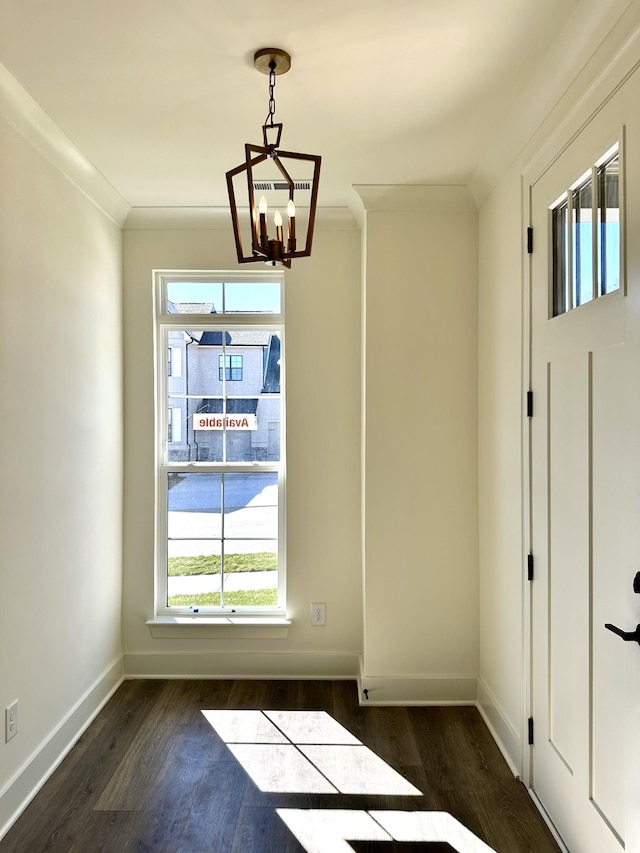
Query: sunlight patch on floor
x,y
304,752
311,727
244,727
309,752
358,770
330,830
280,768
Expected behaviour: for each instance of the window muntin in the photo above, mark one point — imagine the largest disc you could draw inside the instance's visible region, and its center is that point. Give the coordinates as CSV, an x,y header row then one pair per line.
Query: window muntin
x,y
586,237
220,523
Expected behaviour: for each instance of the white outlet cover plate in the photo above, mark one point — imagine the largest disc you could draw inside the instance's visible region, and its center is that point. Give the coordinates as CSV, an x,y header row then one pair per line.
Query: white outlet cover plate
x,y
318,614
11,721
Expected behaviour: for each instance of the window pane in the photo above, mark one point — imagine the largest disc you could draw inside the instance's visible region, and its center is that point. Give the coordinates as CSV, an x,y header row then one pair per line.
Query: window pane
x,y
247,297
582,244
250,579
193,503
250,573
229,373
251,506
177,448
188,297
269,409
211,565
560,258
609,226
175,425
194,572
175,368
252,297
239,445
207,429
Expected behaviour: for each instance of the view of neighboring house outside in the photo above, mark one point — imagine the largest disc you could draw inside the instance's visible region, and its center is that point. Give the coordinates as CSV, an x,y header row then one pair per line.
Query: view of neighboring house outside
x,y
220,477
223,392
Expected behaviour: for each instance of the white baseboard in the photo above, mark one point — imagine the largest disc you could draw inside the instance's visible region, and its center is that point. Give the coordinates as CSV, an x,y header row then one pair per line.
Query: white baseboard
x,y
502,731
26,783
235,664
416,689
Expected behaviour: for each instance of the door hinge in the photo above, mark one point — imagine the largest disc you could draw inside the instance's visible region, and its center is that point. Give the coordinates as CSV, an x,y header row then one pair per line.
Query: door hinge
x,y
529,404
529,241
530,725
530,567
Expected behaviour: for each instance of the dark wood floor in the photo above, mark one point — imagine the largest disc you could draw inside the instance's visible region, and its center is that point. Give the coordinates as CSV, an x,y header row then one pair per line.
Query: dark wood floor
x,y
152,774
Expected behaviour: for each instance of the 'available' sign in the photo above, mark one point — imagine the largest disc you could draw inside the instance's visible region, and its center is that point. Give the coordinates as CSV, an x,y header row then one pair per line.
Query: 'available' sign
x,y
225,422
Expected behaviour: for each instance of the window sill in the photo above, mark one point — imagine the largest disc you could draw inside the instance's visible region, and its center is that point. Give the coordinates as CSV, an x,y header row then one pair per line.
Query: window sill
x,y
212,627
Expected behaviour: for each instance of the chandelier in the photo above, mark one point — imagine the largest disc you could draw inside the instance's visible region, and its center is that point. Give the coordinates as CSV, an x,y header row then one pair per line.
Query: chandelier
x,y
268,172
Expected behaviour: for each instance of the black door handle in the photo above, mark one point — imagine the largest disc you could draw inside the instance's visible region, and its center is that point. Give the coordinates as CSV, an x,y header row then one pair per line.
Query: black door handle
x,y
627,636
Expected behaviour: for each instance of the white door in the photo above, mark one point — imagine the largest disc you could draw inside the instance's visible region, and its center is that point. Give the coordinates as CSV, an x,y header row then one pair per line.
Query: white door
x,y
585,494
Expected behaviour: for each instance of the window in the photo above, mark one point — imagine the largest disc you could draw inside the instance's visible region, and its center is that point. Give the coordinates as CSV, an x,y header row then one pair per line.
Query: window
x,y
174,362
174,425
586,237
220,472
232,367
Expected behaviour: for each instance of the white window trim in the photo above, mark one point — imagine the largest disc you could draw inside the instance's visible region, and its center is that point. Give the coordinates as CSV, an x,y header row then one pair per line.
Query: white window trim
x,y
264,622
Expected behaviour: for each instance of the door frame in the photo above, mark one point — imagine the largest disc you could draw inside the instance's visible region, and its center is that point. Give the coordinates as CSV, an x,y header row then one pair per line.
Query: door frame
x,y
542,157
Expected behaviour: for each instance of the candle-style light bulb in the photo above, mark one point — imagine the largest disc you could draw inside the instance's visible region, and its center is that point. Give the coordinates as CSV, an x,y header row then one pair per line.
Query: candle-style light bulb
x,y
262,210
277,221
291,213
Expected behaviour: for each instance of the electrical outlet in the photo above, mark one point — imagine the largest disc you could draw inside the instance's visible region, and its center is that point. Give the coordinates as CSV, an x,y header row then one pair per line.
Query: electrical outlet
x,y
319,613
11,721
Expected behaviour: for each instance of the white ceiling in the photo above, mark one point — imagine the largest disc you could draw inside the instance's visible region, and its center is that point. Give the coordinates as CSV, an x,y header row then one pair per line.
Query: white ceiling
x,y
161,95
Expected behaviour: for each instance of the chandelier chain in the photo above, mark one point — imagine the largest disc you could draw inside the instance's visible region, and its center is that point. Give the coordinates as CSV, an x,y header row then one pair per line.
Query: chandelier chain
x,y
272,99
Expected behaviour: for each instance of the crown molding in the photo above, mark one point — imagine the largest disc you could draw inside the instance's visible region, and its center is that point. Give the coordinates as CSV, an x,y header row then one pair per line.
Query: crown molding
x,y
408,198
219,219
597,47
26,117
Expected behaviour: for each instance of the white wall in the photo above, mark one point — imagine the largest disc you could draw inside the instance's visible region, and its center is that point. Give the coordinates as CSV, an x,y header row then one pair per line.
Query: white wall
x,y
420,450
322,296
500,410
420,585
60,458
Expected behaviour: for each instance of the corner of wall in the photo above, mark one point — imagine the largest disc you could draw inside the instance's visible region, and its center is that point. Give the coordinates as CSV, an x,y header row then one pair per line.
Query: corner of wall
x,y
26,783
501,728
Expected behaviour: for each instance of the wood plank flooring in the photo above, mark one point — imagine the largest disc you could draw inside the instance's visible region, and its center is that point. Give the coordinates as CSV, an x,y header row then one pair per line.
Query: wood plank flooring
x,y
153,774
